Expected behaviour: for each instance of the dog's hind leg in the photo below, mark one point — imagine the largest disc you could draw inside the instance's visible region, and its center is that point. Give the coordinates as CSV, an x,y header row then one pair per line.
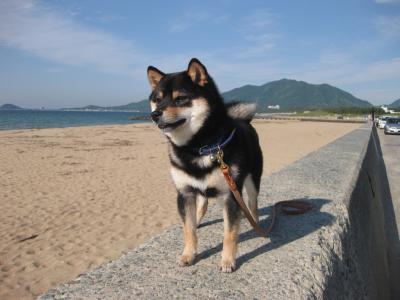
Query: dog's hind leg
x,y
201,208
231,231
187,211
252,193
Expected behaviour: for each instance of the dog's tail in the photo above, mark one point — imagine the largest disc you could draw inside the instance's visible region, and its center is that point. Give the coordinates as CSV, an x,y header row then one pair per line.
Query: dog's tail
x,y
241,110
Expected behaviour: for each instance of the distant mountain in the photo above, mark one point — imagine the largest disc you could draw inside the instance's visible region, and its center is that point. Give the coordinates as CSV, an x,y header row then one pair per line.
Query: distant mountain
x,y
292,94
9,106
288,94
395,104
141,106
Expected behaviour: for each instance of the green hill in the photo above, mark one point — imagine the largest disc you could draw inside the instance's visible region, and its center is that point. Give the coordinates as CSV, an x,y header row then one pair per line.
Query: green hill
x,y
292,94
9,106
395,104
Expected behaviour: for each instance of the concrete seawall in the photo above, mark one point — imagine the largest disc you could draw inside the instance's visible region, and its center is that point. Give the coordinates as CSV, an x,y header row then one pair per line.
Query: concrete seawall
x,y
339,250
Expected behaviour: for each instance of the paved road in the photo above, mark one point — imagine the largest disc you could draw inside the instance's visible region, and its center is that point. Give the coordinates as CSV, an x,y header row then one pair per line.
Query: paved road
x,y
391,155
390,145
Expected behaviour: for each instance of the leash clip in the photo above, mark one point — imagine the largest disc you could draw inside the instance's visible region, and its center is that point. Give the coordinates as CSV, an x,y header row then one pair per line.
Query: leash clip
x,y
220,159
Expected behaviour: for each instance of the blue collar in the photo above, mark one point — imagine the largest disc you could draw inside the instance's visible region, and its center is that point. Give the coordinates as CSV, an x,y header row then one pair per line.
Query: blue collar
x,y
212,149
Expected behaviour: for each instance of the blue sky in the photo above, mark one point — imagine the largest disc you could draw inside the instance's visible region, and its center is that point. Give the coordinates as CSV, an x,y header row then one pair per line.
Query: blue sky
x,y
74,53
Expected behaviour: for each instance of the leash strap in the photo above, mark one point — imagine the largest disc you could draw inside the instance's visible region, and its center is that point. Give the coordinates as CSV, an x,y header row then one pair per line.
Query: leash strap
x,y
292,207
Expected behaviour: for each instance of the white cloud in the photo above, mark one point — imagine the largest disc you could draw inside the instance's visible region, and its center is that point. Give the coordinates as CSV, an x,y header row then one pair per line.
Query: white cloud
x,y
345,70
258,45
333,58
105,18
259,19
220,19
260,35
256,50
387,1
378,71
388,26
36,29
191,18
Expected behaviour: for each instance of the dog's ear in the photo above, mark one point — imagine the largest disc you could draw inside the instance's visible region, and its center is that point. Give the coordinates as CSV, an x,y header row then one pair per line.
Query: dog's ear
x,y
154,75
197,72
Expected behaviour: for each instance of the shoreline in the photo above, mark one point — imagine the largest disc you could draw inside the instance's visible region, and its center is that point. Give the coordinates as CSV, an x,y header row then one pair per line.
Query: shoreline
x,y
42,119
139,122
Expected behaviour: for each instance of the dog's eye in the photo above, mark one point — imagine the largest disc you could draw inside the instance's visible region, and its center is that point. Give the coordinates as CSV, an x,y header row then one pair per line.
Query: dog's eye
x,y
157,99
181,99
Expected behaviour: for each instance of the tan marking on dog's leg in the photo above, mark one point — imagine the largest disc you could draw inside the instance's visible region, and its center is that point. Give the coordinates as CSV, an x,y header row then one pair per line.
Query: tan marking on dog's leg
x,y
252,196
201,209
231,231
189,233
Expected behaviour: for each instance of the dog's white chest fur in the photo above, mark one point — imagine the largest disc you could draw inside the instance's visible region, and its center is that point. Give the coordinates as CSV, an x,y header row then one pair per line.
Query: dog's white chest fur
x,y
214,179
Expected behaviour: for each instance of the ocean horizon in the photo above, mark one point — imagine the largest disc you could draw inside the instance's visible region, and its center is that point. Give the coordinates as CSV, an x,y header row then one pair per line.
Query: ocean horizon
x,y
35,119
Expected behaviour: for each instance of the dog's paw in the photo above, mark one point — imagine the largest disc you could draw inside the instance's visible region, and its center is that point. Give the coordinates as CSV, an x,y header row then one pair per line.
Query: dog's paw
x,y
185,260
228,266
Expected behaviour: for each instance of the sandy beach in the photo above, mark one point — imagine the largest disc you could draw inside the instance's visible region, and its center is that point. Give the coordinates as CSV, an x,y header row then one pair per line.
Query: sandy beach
x,y
74,198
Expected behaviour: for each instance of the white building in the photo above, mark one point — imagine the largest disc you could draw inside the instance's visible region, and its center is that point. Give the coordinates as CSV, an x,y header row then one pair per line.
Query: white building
x,y
387,110
276,107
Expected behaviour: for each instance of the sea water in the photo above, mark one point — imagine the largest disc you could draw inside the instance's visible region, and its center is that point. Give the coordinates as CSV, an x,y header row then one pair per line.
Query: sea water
x,y
19,119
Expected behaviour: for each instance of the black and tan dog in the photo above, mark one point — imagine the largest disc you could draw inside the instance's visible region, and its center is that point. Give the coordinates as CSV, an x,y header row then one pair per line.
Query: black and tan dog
x,y
189,110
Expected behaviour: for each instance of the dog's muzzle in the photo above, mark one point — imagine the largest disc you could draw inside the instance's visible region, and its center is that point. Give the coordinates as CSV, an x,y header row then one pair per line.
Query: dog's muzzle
x,y
156,116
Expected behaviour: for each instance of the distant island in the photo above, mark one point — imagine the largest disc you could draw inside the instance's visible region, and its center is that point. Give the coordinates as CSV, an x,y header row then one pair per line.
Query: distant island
x,y
9,106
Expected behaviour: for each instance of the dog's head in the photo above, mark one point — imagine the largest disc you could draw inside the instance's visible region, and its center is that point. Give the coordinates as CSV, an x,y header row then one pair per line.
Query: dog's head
x,y
181,102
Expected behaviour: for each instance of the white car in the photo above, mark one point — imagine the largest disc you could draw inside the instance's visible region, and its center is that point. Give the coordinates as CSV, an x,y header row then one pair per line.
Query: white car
x,y
382,122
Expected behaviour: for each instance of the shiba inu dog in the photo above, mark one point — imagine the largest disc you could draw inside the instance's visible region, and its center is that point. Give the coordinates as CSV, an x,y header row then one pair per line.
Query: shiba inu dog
x,y
188,109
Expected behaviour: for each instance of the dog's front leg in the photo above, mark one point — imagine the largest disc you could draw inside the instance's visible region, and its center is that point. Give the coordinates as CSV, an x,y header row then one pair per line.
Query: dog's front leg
x,y
187,211
231,231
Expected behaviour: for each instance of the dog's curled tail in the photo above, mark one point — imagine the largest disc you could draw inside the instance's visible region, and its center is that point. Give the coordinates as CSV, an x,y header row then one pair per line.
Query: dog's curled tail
x,y
241,110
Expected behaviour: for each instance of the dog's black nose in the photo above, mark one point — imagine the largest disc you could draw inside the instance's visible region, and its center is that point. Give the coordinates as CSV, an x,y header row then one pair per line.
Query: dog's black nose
x,y
155,115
